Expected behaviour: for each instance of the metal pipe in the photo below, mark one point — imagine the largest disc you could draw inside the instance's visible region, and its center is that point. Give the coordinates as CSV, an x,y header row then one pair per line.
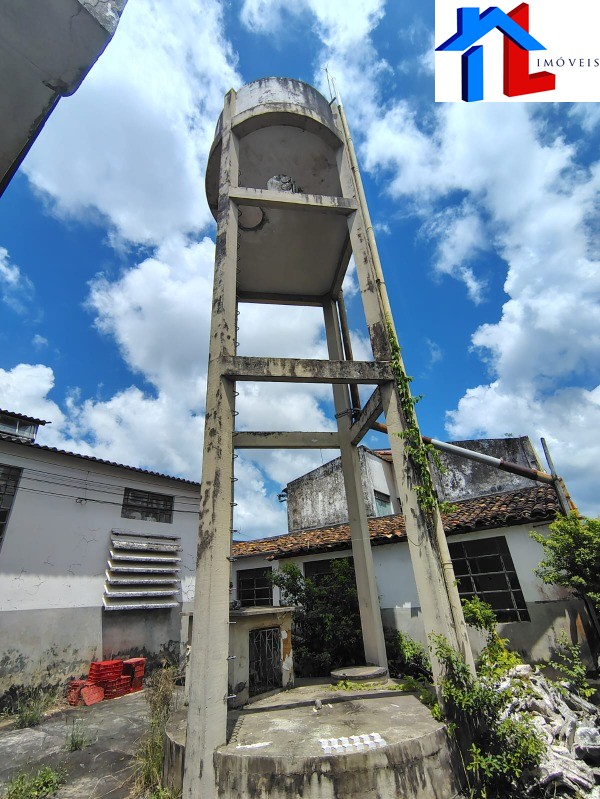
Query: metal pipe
x,y
354,395
497,463
566,503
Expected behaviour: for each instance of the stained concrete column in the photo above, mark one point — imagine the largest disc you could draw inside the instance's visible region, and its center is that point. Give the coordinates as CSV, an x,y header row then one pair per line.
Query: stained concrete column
x,y
368,598
207,715
432,567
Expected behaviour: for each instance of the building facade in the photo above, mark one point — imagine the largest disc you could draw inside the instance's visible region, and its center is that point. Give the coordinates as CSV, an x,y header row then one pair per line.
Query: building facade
x,y
96,559
488,529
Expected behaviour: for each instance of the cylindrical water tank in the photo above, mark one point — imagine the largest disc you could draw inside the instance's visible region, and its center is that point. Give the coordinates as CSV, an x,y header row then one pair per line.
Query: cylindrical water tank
x,y
285,127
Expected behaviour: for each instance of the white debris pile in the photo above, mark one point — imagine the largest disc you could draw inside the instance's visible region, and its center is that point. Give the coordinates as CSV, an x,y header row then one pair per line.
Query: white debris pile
x,y
571,728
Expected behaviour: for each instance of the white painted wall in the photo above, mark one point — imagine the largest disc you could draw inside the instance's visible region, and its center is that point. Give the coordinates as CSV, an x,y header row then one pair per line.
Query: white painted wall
x,y
382,479
56,543
53,561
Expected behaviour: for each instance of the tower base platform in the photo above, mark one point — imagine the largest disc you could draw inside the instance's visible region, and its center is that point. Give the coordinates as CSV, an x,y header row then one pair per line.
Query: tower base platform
x,y
318,743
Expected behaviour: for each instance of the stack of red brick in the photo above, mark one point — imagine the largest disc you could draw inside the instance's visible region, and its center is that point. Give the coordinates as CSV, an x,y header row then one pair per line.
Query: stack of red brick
x,y
107,679
135,668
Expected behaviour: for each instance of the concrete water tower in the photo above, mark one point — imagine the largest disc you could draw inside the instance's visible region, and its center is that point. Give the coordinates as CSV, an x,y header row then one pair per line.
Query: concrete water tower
x,y
284,186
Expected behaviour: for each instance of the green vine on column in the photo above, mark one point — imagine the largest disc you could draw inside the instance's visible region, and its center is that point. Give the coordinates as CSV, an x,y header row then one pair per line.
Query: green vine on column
x,y
416,451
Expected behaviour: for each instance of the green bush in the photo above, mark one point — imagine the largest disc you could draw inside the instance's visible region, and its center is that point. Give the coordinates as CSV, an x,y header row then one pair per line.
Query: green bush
x,y
572,555
31,705
326,632
495,658
77,737
500,749
44,782
406,656
571,667
160,695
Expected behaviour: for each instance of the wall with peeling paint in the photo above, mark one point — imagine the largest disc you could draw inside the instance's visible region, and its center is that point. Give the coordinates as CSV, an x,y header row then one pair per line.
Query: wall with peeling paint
x,y
464,479
53,561
318,498
242,622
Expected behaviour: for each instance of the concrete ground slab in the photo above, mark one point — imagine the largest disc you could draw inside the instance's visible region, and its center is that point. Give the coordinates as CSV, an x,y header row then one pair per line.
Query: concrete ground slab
x,y
103,768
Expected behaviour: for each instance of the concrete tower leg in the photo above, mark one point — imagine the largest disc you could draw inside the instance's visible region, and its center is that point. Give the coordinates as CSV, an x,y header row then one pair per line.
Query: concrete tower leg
x,y
434,575
207,715
368,598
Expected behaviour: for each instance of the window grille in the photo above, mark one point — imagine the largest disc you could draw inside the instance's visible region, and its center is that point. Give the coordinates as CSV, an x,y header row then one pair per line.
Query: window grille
x,y
317,570
9,481
485,568
254,587
147,506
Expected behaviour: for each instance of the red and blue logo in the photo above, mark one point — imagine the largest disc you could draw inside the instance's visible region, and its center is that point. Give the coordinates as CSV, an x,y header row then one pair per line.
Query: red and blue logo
x,y
518,43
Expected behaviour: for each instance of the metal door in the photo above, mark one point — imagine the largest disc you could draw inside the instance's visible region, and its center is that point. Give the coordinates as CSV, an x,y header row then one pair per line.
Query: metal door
x,y
264,660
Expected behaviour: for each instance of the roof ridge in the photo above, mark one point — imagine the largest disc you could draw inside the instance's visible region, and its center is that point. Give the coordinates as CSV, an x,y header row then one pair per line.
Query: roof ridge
x,y
490,511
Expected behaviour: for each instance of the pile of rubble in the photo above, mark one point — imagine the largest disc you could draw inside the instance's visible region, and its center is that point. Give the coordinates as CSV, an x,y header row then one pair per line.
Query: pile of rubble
x,y
571,728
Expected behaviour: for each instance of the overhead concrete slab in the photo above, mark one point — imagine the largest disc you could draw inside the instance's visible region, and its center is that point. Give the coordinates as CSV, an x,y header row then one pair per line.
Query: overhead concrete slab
x,y
47,47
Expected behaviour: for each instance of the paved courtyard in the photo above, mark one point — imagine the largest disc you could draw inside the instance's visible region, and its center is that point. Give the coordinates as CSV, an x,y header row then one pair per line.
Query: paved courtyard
x,y
103,768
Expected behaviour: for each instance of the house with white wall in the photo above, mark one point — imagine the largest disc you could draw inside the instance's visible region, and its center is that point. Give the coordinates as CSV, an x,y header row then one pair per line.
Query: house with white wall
x,y
97,559
488,530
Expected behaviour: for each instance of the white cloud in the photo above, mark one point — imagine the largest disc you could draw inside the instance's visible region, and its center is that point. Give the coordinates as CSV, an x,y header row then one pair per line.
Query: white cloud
x,y
460,239
131,145
339,23
24,388
436,353
16,289
39,342
588,114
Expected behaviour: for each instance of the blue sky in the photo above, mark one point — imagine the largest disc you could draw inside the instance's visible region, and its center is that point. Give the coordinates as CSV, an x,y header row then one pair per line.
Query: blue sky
x,y
485,216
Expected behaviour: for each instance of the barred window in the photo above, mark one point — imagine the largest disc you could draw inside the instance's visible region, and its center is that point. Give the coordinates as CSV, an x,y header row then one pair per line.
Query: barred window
x,y
147,506
485,569
254,587
317,570
9,481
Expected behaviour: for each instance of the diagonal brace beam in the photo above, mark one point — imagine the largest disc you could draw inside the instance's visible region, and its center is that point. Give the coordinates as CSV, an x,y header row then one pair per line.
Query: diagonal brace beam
x,y
371,411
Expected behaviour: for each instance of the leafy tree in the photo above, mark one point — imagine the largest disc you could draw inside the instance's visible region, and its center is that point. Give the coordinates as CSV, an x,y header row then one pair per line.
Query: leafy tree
x,y
572,555
326,632
406,656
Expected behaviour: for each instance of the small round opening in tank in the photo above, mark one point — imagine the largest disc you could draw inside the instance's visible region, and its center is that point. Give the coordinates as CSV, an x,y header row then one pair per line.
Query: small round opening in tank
x,y
251,217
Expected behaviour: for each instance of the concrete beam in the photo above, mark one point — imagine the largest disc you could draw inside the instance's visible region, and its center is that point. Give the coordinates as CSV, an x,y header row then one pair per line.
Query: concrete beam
x,y
366,584
304,370
282,299
291,440
372,410
266,198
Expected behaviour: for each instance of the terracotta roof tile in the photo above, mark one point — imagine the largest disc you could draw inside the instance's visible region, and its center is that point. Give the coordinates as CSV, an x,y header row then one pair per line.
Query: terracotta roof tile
x,y
384,454
538,503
